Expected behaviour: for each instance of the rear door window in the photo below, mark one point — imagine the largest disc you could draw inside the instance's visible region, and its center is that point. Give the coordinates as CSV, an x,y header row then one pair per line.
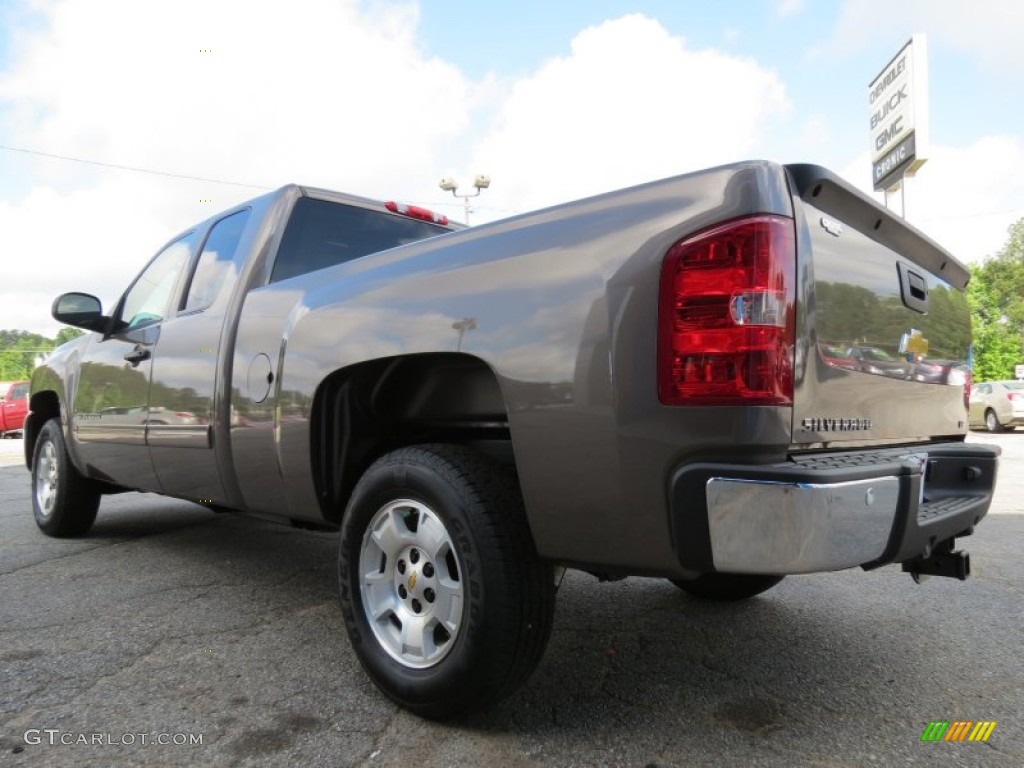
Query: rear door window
x,y
218,264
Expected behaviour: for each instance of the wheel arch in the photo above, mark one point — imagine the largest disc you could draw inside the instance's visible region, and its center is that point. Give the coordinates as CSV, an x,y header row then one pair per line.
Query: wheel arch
x,y
42,406
365,410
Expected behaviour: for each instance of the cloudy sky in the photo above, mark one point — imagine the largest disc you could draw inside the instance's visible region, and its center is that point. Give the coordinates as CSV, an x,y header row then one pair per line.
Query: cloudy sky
x,y
382,98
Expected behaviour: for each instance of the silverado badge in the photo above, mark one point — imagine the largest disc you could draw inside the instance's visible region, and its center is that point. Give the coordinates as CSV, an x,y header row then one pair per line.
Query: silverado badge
x,y
826,424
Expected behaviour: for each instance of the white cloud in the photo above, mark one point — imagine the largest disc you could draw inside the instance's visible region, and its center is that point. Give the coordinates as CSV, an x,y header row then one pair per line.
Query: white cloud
x,y
320,92
815,133
324,94
93,239
988,30
789,7
963,197
332,94
631,103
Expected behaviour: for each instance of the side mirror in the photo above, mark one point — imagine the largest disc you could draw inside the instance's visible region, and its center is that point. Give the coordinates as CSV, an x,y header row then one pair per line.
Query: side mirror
x,y
81,310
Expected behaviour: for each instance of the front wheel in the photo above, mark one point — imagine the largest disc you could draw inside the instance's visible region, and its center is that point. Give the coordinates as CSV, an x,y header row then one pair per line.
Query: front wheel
x,y
444,598
727,586
64,502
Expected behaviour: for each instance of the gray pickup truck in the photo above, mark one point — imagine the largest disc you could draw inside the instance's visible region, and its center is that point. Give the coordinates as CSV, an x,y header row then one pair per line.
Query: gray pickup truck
x,y
657,381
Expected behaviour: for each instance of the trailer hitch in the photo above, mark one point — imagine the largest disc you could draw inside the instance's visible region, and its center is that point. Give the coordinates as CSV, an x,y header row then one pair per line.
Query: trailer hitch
x,y
942,561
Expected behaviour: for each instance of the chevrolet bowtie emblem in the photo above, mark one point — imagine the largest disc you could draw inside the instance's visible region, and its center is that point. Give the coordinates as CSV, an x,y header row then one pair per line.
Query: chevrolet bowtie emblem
x,y
412,580
914,343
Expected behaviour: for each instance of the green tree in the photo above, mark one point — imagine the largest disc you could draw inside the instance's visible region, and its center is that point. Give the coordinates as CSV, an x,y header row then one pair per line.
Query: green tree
x,y
996,297
67,334
19,350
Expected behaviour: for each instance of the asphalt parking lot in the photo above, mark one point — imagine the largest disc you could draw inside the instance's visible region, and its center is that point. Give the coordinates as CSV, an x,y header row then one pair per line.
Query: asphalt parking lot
x,y
168,620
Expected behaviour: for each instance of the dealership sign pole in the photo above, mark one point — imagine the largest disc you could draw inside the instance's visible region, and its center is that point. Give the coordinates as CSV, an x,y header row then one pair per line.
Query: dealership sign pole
x,y
898,107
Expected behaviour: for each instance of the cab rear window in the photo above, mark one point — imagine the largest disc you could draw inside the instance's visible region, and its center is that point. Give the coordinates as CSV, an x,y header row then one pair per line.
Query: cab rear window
x,y
321,234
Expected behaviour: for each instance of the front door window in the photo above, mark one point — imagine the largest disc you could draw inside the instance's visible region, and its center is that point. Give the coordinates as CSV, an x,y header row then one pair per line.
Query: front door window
x,y
148,300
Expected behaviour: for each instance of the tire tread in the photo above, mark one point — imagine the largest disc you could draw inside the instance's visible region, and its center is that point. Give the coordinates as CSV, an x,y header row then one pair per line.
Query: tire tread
x,y
78,498
501,530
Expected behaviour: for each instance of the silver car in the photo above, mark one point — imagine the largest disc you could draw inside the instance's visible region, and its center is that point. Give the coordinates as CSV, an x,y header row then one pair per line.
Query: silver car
x,y
997,405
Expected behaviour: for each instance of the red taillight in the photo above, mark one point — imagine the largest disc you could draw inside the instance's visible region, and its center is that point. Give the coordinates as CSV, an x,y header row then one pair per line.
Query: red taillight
x,y
726,315
415,212
1012,396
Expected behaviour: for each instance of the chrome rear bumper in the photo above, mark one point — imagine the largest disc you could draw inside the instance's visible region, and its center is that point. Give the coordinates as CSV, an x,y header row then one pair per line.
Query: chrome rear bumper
x,y
829,511
761,526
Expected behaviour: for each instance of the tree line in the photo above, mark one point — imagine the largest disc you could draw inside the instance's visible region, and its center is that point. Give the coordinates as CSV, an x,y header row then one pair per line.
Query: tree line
x,y
20,349
996,298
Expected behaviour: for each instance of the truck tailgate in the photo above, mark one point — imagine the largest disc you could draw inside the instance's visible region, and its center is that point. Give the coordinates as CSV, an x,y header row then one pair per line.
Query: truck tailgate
x,y
882,318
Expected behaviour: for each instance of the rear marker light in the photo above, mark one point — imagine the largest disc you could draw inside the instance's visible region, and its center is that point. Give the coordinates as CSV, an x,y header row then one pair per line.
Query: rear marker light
x,y
726,327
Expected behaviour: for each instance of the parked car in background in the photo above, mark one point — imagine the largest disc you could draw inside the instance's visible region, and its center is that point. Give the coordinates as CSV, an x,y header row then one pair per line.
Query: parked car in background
x,y
837,356
953,372
14,409
996,405
144,414
879,362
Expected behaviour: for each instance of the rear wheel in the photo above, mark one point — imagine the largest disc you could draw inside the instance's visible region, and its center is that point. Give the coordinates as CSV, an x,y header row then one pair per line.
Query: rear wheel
x,y
992,421
445,601
727,586
64,502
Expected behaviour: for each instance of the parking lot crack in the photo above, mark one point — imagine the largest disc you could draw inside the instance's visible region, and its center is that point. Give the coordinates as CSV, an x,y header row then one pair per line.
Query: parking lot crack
x,y
59,558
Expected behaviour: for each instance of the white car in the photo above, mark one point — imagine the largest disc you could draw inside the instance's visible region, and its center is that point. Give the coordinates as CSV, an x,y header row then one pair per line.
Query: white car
x,y
997,405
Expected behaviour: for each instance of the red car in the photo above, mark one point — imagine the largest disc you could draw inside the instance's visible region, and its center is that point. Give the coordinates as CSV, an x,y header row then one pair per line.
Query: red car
x,y
14,409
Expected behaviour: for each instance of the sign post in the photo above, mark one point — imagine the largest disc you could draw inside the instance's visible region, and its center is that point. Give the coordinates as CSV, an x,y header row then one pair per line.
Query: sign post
x,y
898,109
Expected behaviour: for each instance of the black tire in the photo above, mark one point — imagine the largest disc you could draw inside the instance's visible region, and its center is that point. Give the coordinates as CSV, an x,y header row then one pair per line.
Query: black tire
x,y
64,502
727,586
992,421
506,594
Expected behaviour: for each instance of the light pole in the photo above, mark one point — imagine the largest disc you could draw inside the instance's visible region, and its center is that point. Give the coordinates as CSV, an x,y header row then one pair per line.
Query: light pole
x,y
480,183
463,325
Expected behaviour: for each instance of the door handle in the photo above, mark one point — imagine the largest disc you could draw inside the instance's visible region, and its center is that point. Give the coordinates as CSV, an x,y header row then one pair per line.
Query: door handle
x,y
137,355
